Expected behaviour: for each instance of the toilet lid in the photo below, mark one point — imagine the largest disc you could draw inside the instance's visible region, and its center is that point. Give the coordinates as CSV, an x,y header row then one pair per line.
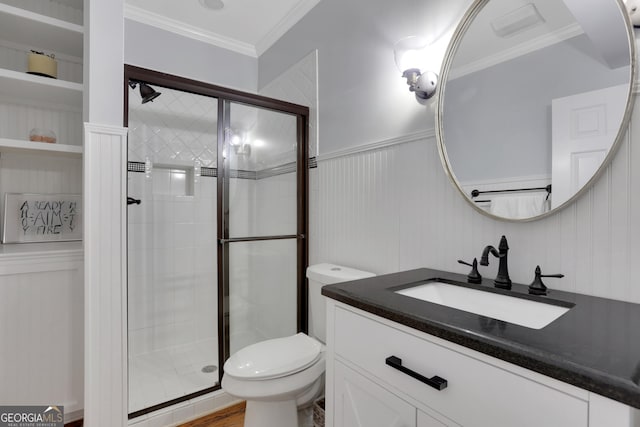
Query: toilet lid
x,y
274,358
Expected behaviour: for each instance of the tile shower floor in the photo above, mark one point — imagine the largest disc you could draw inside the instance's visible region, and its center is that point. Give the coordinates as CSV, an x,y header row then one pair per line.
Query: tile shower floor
x,y
167,374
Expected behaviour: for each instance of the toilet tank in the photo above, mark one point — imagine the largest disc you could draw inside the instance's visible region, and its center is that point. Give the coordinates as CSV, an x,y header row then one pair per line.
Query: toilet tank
x,y
320,275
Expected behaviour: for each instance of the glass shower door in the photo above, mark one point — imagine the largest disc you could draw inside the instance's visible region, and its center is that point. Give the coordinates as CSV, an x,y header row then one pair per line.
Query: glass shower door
x,y
172,230
262,234
217,228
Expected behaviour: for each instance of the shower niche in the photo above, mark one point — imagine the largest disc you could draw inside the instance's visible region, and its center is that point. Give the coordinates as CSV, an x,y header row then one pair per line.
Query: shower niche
x,y
217,226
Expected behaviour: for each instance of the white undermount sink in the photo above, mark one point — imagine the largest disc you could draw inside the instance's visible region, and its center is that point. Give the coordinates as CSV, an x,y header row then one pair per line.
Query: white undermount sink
x,y
523,312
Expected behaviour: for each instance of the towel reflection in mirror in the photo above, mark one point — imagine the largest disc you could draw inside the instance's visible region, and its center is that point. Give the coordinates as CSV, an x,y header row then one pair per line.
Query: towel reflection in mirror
x,y
518,206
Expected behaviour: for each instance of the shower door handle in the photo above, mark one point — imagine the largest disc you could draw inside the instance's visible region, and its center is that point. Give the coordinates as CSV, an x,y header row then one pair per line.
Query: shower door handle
x,y
132,201
256,239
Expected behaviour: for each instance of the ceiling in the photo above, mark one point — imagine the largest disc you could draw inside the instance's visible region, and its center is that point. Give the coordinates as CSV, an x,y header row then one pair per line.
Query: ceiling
x,y
249,27
561,20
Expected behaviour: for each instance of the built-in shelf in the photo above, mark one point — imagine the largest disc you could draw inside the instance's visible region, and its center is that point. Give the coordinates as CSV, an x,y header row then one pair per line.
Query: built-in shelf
x,y
39,31
13,145
24,252
50,91
29,30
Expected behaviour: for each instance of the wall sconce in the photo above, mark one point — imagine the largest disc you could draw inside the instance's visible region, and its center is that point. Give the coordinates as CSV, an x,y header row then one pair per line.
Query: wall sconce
x,y
411,58
243,149
239,141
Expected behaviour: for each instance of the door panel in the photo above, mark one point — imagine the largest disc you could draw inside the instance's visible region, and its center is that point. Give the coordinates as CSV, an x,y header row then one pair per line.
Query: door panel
x,y
172,274
261,153
262,291
261,218
583,129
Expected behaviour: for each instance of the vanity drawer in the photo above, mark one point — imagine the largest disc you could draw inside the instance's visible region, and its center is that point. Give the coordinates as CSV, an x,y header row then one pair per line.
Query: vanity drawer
x,y
477,393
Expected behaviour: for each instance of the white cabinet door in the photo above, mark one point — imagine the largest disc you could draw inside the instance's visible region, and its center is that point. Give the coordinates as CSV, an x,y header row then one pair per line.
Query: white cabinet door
x,y
425,420
478,393
360,402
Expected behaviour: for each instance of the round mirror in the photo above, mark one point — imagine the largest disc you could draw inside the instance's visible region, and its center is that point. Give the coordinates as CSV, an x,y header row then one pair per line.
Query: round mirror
x,y
534,99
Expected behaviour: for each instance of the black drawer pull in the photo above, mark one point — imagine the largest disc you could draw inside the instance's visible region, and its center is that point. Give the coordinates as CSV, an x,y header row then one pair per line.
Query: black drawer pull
x,y
435,381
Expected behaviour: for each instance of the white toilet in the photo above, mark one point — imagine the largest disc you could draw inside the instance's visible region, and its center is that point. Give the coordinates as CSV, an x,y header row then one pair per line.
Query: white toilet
x,y
279,376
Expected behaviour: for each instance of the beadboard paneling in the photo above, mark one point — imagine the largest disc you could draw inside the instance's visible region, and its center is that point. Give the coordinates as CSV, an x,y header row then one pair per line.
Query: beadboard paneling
x,y
105,279
41,311
358,221
394,209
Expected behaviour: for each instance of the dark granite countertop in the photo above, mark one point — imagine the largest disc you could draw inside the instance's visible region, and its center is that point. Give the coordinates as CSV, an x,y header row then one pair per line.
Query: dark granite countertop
x,y
594,346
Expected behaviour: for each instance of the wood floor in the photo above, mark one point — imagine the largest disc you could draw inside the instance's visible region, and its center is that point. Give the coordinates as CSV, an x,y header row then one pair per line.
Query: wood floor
x,y
232,416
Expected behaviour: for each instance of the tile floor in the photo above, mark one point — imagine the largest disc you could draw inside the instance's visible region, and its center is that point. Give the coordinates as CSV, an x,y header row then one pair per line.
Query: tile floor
x,y
167,374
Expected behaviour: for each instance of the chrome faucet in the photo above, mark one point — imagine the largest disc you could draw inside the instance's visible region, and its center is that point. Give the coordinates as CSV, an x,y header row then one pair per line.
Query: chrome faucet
x,y
502,279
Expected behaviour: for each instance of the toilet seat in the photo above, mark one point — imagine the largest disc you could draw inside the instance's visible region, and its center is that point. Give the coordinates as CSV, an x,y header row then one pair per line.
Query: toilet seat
x,y
274,358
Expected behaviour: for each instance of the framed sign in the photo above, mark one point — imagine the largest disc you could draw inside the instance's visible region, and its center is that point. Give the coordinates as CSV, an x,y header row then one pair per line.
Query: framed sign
x,y
41,217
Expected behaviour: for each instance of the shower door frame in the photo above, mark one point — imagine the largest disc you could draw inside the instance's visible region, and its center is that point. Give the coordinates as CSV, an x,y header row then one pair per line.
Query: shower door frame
x,y
224,97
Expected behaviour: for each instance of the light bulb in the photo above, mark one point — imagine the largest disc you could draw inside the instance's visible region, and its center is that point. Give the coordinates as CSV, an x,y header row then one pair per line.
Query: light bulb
x,y
409,53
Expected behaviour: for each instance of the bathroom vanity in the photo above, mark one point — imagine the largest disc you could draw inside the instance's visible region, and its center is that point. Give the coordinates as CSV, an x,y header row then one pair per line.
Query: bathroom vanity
x,y
394,360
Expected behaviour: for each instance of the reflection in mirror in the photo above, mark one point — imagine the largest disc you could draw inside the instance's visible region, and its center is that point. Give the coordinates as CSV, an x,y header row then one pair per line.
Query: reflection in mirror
x,y
535,95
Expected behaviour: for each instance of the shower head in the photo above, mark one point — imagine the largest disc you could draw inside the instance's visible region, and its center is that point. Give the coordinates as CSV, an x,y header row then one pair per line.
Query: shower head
x,y
147,93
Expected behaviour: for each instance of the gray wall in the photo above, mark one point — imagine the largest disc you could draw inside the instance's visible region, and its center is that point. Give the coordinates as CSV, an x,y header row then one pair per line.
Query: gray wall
x,y
362,98
159,50
497,121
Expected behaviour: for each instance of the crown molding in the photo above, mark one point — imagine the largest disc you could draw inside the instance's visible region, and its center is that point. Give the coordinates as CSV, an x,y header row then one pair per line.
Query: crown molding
x,y
522,49
146,17
285,24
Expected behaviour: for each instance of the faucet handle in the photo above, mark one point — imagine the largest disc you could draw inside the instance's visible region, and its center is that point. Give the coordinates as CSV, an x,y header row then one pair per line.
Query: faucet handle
x,y
473,276
537,287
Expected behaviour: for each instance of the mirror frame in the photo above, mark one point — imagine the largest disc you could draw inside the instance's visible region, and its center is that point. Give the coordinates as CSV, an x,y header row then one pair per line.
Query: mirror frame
x,y
449,56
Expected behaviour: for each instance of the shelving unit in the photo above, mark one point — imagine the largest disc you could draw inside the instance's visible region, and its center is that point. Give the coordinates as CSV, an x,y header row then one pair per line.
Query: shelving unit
x,y
40,31
38,88
32,101
17,145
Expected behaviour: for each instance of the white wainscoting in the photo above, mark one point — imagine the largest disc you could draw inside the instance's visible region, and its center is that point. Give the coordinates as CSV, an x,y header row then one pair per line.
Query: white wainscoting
x,y
105,250
41,310
393,208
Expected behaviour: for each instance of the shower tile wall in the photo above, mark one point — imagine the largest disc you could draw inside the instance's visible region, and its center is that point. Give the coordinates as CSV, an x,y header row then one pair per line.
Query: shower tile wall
x,y
172,260
176,128
172,288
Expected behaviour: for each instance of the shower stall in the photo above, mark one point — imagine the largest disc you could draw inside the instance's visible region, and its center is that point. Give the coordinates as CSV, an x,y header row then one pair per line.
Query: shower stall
x,y
217,230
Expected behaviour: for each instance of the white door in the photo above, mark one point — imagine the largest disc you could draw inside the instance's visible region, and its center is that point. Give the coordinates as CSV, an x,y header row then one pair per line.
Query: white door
x,y
584,127
360,402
